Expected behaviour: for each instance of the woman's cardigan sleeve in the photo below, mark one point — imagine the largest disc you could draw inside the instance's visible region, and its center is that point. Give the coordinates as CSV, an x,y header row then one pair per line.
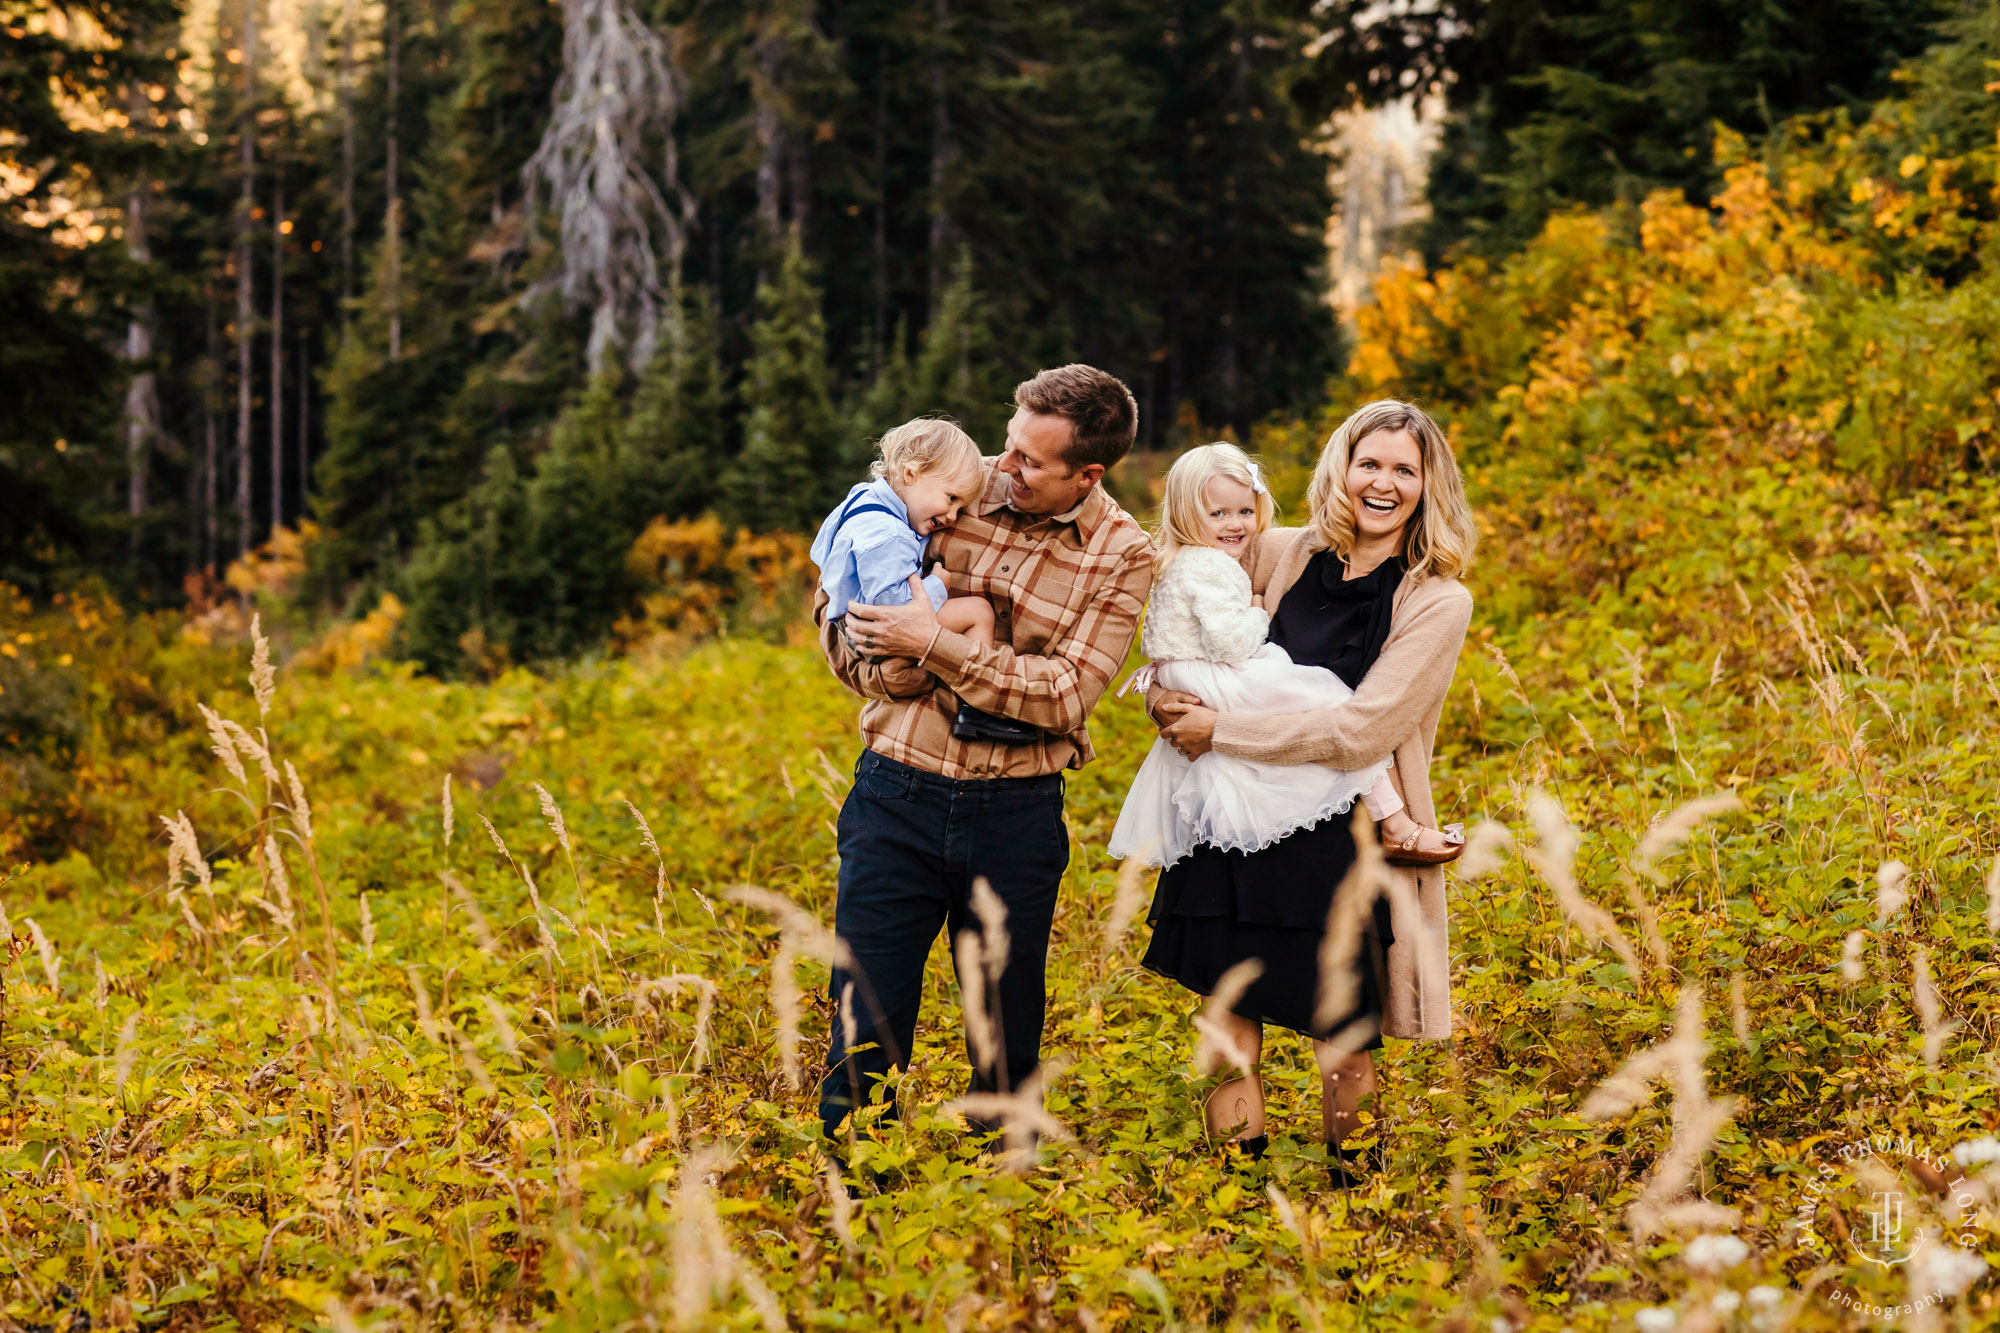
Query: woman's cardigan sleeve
x,y
1406,683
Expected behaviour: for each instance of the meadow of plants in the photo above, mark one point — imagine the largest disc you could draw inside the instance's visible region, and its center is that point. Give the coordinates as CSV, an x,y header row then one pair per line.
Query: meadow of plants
x,y
340,996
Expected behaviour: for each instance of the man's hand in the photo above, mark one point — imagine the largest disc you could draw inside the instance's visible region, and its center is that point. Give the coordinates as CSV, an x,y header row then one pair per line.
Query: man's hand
x,y
894,631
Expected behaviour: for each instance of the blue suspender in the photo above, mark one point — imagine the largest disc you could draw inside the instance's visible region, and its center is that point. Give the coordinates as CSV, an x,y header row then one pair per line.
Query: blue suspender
x,y
872,507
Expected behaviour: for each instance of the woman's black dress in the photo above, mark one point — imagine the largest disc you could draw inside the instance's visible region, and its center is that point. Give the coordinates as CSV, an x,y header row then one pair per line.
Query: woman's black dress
x,y
1215,908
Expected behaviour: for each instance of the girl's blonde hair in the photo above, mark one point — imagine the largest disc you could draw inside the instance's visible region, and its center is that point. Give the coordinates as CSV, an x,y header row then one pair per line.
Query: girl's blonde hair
x,y
927,447
1181,513
1441,534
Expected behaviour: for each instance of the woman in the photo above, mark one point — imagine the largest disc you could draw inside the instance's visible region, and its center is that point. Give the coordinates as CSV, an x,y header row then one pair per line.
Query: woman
x,y
1370,591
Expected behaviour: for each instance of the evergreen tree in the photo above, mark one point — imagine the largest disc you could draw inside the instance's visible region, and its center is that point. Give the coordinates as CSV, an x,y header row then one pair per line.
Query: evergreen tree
x,y
882,392
1596,102
959,371
474,575
63,297
674,449
405,433
790,469
574,503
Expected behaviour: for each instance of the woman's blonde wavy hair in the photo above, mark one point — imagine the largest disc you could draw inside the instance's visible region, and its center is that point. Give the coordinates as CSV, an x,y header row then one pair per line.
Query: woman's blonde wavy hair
x,y
1181,522
1441,535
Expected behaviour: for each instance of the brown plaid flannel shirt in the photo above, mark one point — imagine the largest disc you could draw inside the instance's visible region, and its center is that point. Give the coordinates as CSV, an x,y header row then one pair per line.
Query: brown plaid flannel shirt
x,y
1066,593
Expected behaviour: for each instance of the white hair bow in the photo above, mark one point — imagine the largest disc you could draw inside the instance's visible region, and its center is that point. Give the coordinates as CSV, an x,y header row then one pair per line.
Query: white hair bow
x,y
1257,479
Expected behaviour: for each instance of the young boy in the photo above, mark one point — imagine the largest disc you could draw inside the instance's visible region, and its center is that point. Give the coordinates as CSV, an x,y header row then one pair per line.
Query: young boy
x,y
873,541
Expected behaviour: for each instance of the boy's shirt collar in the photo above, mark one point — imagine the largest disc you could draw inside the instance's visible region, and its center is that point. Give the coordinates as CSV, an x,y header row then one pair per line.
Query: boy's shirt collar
x,y
880,489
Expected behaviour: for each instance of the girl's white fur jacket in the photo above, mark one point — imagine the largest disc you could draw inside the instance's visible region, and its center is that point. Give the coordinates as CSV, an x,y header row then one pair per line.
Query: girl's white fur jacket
x,y
1200,610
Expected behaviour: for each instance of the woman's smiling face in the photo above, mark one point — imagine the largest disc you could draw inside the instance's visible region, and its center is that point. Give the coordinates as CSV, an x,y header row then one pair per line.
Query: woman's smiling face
x,y
1228,514
1385,481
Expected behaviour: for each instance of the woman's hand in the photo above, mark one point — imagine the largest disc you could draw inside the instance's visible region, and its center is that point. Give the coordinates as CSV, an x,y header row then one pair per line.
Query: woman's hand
x,y
1185,723
895,631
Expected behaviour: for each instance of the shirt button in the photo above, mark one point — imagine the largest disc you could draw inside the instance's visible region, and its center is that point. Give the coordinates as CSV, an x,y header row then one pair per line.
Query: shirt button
x,y
1003,569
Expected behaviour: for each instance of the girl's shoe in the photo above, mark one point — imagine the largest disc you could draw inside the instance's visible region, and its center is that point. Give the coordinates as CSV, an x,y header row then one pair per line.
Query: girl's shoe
x,y
1409,852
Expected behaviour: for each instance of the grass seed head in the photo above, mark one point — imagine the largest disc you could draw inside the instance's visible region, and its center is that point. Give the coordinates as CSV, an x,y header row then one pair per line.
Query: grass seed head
x,y
996,946
510,1041
302,815
494,834
280,881
1671,831
263,680
127,1053
184,849
1852,966
1485,849
51,961
1216,1047
1353,902
1930,1012
221,743
1889,892
1020,1114
445,802
1131,896
972,982
840,1206
1554,856
553,813
252,749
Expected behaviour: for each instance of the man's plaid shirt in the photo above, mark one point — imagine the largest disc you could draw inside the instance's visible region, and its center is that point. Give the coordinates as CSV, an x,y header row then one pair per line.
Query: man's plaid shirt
x,y
1066,593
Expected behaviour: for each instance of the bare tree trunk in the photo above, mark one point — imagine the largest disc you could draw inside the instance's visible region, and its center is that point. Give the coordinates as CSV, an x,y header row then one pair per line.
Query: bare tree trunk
x,y
305,412
278,358
142,400
246,312
393,223
347,153
211,456
943,150
770,143
1229,353
881,213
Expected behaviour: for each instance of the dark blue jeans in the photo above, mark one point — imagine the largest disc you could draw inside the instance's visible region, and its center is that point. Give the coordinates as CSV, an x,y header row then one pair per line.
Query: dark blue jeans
x,y
911,843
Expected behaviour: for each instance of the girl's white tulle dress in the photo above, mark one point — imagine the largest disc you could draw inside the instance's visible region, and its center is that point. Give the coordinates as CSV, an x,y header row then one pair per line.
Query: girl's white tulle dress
x,y
1204,637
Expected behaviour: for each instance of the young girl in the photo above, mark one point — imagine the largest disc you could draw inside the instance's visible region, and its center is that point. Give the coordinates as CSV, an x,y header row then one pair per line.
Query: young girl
x,y
1205,634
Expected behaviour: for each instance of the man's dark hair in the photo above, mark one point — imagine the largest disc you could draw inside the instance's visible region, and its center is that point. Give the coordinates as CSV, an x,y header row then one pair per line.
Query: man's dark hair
x,y
1103,415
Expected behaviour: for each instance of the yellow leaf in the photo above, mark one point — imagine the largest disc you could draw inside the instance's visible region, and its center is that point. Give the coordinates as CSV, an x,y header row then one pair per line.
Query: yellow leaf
x,y
1910,165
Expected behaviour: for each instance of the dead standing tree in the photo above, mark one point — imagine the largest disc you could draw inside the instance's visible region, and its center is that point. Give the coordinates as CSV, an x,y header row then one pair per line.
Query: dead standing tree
x,y
619,93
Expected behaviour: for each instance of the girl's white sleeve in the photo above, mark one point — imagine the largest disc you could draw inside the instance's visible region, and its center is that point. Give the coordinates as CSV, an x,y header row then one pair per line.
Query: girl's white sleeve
x,y
1218,591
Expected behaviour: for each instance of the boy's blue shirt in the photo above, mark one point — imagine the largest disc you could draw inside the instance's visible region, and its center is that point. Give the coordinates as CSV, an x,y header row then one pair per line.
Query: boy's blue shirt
x,y
869,558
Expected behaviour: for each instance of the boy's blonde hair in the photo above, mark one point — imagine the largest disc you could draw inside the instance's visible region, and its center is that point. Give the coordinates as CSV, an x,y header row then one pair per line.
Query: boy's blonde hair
x,y
1181,521
1441,534
926,447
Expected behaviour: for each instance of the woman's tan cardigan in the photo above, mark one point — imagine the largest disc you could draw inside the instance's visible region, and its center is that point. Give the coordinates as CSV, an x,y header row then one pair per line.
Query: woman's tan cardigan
x,y
1395,712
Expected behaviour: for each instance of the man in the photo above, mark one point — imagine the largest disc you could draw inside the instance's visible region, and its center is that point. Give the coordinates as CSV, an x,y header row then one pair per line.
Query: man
x,y
966,745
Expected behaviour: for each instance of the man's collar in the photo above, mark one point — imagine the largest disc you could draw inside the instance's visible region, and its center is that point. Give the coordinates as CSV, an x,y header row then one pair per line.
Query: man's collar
x,y
1086,514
